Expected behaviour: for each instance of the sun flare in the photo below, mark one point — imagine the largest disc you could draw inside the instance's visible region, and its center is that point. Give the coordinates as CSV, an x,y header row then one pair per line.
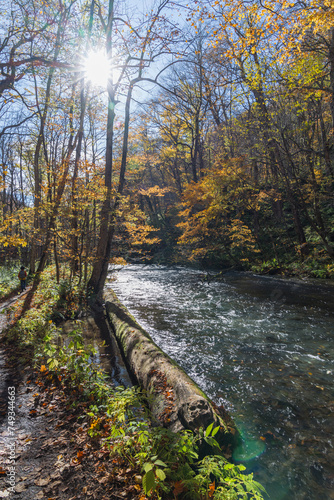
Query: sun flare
x,y
97,68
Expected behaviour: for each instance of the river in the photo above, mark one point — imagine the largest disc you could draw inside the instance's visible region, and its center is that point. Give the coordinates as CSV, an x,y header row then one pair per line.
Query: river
x,y
263,348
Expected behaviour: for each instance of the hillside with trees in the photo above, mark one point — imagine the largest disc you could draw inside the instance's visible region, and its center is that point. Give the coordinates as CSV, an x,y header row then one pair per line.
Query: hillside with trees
x,y
212,142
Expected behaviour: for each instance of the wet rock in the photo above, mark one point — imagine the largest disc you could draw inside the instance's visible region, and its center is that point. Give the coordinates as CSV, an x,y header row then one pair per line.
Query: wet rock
x,y
317,472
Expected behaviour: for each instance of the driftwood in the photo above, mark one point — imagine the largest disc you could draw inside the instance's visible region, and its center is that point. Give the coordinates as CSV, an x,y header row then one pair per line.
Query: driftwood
x,y
175,401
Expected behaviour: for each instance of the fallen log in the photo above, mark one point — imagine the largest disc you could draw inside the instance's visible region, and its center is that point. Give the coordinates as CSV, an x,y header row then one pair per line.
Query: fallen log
x,y
175,400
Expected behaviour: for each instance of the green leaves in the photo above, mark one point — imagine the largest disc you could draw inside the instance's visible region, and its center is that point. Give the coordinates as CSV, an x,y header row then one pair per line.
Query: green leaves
x,y
230,482
160,474
153,474
208,435
149,482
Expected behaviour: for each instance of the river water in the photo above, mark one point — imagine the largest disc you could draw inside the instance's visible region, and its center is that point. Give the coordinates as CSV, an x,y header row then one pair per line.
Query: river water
x,y
262,347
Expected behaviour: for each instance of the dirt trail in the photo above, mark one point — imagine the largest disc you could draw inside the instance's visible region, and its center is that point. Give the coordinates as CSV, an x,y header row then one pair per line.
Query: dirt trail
x,y
44,451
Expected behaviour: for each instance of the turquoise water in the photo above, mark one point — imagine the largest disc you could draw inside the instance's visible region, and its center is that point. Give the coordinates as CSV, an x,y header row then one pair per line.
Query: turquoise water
x,y
266,357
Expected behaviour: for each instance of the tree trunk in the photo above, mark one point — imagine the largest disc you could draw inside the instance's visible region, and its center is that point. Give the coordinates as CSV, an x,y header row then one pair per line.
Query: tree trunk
x,y
331,74
189,408
108,214
40,142
75,246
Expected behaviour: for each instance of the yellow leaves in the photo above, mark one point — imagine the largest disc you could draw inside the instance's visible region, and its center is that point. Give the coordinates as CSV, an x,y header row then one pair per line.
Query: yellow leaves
x,y
318,175
209,223
139,234
155,191
13,241
265,197
241,236
135,231
118,261
272,26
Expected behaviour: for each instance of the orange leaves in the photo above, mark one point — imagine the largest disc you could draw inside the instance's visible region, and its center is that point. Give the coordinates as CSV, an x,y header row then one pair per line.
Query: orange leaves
x,y
209,222
178,488
80,454
212,488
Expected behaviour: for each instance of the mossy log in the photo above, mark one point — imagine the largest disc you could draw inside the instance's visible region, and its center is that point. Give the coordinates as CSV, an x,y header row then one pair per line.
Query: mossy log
x,y
175,400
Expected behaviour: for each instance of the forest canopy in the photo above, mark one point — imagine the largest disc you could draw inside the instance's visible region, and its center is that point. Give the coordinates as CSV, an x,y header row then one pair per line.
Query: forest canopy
x,y
211,140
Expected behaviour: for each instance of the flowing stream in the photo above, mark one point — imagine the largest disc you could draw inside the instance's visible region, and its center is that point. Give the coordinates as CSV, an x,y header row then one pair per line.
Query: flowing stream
x,y
262,347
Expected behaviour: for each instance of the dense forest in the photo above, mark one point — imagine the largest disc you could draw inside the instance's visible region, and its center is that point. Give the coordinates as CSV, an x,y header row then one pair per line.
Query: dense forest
x,y
210,142
191,133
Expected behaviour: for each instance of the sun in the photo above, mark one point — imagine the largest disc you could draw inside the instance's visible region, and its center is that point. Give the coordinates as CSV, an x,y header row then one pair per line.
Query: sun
x,y
97,68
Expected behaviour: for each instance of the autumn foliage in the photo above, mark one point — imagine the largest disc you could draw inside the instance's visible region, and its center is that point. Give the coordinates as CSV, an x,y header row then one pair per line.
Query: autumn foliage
x,y
229,161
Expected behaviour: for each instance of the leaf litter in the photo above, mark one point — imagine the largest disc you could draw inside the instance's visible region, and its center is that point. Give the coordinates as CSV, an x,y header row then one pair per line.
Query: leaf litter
x,y
55,459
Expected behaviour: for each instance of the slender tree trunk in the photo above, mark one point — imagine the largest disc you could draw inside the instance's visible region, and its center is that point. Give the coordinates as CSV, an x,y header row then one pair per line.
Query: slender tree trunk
x,y
40,142
331,74
108,213
56,258
326,144
75,247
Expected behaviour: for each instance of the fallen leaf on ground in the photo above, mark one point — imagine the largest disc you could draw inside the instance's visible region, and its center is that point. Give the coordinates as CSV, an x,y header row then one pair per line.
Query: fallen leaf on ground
x,y
20,487
42,481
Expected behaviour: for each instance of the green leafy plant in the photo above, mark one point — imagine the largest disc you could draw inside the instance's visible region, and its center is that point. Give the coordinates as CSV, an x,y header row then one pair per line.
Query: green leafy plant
x,y
153,474
219,479
8,280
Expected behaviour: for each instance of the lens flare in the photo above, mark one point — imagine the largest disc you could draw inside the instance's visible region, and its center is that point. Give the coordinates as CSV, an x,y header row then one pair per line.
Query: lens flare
x,y
97,68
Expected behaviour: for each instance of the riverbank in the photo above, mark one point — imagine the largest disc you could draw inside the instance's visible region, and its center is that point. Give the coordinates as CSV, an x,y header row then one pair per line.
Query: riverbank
x,y
92,439
45,449
308,292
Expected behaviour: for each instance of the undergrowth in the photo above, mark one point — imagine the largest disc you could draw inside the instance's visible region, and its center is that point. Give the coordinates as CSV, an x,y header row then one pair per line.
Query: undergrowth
x,y
164,465
8,280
